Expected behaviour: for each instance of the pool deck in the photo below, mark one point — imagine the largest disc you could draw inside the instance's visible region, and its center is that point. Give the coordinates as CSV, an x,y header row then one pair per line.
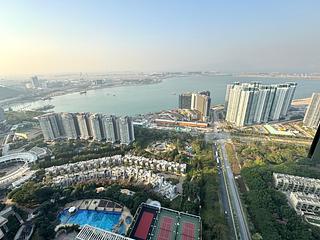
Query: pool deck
x,y
96,204
125,213
104,205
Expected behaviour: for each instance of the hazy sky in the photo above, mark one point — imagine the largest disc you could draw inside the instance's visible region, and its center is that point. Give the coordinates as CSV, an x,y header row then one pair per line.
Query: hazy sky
x,y
54,36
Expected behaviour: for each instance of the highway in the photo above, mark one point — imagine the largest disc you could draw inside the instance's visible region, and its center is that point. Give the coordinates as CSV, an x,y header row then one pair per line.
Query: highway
x,y
229,192
231,188
225,197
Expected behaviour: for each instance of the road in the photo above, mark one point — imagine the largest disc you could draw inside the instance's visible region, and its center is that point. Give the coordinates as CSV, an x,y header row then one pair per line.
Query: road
x,y
229,192
231,187
225,197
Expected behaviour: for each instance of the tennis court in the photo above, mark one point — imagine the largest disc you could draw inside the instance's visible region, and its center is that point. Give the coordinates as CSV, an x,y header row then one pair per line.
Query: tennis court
x,y
189,227
144,223
152,223
165,228
188,231
166,225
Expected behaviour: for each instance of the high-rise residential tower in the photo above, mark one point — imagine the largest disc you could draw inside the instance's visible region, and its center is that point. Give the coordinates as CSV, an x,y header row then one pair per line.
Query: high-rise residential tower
x,y
2,117
185,100
126,131
69,124
201,102
282,100
312,116
251,103
110,128
87,126
84,127
226,99
314,152
51,126
35,82
95,125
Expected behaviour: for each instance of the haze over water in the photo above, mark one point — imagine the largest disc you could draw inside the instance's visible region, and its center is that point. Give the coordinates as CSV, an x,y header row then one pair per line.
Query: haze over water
x,y
132,100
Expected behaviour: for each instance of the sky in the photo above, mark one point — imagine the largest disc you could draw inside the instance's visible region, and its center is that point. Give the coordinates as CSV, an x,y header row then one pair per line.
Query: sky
x,y
67,36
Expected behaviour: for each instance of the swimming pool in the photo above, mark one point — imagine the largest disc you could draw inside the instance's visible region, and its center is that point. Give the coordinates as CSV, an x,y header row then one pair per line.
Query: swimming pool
x,y
99,219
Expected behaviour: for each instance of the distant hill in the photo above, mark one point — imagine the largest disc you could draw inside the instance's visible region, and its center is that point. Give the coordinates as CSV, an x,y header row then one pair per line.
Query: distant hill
x,y
6,92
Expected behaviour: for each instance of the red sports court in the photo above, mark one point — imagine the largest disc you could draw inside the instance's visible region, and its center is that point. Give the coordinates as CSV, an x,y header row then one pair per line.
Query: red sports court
x,y
158,223
188,231
166,226
144,223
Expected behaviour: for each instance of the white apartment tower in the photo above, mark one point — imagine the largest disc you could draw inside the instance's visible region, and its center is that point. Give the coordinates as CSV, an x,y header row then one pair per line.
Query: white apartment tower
x,y
50,126
69,125
35,82
282,100
251,103
2,117
110,128
126,131
96,132
87,126
312,116
83,124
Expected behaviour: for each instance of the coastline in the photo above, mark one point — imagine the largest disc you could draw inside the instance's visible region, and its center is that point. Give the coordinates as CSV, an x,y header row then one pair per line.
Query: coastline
x,y
24,100
43,99
311,78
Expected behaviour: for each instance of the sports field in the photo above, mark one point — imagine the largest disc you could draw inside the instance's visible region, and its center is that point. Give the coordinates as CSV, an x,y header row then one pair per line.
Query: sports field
x,y
188,228
144,223
166,225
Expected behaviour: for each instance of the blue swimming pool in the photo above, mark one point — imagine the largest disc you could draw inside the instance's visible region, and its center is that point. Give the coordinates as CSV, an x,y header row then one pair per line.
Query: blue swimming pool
x,y
100,219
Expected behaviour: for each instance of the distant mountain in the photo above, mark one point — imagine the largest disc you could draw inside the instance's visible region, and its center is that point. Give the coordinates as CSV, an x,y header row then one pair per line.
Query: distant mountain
x,y
6,92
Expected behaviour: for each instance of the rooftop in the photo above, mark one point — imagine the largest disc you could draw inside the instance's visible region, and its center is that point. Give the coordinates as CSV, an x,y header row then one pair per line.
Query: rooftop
x,y
292,178
306,198
93,233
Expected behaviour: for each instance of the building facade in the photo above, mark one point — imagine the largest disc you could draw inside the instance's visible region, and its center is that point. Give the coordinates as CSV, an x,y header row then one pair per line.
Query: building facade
x,y
70,125
126,131
314,152
110,128
312,116
2,116
87,126
185,100
84,127
291,183
253,103
51,126
200,101
306,203
35,83
96,128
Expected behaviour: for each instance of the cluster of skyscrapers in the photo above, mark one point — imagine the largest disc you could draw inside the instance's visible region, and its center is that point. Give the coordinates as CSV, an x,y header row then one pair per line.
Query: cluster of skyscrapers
x,y
312,116
200,101
87,126
254,103
35,83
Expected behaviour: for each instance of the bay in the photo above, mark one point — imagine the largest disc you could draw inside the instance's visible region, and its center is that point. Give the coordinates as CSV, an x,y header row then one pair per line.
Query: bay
x,y
132,100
